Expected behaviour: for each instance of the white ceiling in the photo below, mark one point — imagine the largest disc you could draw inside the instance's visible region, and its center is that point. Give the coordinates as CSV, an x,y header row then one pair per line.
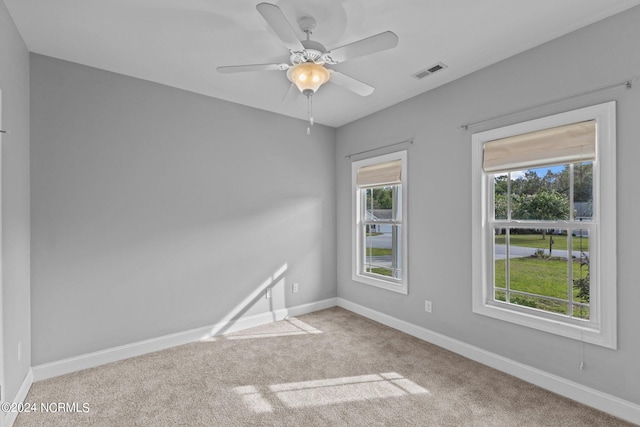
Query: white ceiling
x,y
181,42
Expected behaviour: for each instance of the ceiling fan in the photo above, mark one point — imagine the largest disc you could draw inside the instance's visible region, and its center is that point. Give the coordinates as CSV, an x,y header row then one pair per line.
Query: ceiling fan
x,y
308,57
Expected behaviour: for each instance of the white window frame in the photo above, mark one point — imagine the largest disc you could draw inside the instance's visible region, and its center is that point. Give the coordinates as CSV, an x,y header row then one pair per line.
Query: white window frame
x,y
601,328
400,285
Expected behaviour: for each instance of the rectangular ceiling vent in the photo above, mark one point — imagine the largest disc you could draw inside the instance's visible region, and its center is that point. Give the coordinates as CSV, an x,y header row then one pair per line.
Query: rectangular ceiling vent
x,y
428,71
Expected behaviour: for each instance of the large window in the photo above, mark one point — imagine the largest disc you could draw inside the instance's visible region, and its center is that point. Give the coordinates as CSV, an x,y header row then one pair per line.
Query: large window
x,y
379,221
544,224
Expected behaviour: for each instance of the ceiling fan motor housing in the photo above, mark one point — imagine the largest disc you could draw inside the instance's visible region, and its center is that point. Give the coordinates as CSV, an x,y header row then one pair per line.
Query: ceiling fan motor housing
x,y
313,52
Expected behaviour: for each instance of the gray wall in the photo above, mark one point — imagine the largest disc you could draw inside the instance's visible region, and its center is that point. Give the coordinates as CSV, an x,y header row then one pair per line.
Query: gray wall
x,y
157,210
440,197
14,83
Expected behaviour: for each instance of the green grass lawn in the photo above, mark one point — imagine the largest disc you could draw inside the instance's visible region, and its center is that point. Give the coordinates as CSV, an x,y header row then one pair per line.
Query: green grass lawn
x,y
546,277
381,271
540,276
378,251
536,241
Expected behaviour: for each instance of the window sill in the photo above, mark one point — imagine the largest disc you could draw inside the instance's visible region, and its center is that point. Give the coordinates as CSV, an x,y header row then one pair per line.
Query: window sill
x,y
588,332
394,286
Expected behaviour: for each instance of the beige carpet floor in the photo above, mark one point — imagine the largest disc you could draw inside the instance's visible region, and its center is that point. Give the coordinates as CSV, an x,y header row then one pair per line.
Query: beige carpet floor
x,y
328,368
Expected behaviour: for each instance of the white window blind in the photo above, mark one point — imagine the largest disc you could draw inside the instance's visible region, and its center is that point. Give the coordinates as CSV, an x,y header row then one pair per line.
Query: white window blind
x,y
388,173
558,145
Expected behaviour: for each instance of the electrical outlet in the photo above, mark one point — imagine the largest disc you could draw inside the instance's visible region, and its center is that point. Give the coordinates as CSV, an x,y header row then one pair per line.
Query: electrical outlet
x,y
19,351
296,287
427,306
268,293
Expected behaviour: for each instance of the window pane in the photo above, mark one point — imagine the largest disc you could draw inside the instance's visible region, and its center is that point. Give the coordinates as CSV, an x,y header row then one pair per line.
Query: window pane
x,y
583,191
379,203
539,194
397,252
397,202
537,268
500,186
523,242
378,246
581,276
580,242
500,266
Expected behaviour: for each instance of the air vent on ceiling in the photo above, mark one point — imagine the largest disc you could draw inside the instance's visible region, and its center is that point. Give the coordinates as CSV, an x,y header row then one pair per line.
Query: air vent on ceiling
x,y
428,71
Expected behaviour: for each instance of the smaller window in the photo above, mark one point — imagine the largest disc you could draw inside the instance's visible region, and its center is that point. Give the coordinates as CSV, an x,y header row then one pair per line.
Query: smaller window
x,y
379,221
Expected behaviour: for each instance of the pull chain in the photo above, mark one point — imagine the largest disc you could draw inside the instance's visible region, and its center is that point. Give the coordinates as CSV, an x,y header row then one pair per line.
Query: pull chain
x,y
309,109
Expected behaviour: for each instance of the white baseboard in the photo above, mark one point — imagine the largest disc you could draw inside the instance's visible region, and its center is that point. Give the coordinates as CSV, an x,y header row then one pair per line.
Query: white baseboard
x,y
90,360
10,417
620,408
299,310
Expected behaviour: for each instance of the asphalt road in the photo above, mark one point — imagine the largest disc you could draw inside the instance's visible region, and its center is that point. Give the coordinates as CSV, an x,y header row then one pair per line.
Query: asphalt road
x,y
520,251
380,241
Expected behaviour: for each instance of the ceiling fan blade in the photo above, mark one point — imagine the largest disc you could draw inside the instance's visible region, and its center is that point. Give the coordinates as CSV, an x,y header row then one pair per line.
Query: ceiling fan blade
x,y
278,23
252,67
349,83
377,43
291,94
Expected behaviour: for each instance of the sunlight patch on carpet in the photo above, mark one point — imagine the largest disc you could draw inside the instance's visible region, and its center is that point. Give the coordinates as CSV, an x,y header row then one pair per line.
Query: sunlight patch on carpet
x,y
283,328
336,390
253,399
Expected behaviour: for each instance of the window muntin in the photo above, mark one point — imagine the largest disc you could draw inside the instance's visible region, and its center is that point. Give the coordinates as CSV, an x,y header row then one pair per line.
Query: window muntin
x,y
380,223
576,296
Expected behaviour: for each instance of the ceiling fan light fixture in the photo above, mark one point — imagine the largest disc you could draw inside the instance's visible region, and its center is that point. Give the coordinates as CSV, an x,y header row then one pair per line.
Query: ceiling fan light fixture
x,y
308,77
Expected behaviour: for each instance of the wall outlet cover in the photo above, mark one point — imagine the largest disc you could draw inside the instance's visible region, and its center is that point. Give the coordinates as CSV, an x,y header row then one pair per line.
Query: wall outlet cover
x,y
427,306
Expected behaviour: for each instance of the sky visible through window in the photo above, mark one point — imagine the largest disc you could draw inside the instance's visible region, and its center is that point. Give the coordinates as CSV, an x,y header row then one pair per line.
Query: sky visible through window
x,y
541,172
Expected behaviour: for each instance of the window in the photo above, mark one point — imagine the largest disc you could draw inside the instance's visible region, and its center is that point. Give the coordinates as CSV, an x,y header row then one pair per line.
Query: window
x,y
380,221
544,232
